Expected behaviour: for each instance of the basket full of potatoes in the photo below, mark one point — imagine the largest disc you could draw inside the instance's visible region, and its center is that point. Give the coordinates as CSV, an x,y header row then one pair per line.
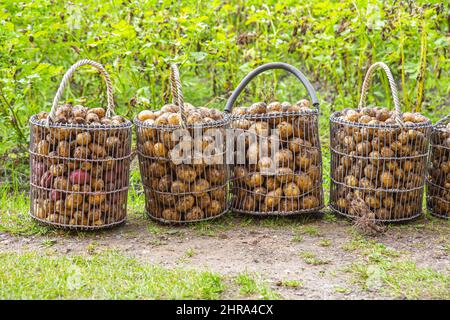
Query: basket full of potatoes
x,y
79,162
277,162
378,159
438,178
182,160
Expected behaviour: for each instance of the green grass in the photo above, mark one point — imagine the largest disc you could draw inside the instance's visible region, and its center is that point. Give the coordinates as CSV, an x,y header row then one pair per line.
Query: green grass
x,y
401,279
107,275
290,283
393,273
250,286
311,259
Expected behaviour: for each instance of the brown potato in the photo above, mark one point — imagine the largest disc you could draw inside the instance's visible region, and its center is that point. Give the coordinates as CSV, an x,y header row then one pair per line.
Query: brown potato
x,y
186,173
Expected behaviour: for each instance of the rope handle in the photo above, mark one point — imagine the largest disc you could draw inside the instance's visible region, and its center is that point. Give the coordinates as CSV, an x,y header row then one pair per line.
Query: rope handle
x,y
269,66
393,86
65,81
177,92
444,120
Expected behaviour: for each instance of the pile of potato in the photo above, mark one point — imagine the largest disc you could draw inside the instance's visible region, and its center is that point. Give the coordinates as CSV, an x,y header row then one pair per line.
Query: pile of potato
x,y
439,172
277,182
378,161
75,177
180,191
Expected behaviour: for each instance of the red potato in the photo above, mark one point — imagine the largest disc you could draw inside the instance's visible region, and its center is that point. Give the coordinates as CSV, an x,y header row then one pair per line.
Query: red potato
x,y
79,177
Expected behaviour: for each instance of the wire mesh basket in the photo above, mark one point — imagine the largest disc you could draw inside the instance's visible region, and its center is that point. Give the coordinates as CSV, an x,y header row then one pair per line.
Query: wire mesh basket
x,y
438,178
277,161
79,170
182,166
378,159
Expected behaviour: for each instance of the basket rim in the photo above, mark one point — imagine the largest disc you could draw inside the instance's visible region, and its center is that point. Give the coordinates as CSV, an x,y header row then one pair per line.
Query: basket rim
x,y
185,222
352,217
278,213
335,118
213,124
77,227
42,123
275,115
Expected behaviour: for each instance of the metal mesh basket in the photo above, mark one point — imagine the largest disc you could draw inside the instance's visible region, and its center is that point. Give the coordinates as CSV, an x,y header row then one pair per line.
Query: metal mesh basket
x,y
188,189
276,172
438,178
79,172
378,167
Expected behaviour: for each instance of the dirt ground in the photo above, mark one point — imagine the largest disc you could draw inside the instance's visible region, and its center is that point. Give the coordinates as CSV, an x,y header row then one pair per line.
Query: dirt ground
x,y
275,250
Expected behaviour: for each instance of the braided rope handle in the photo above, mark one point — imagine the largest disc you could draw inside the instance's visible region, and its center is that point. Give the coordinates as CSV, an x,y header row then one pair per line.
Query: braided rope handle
x,y
271,66
393,86
444,120
177,92
65,81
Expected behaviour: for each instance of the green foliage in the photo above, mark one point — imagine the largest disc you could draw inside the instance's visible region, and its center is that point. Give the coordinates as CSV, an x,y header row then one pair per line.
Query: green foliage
x,y
217,42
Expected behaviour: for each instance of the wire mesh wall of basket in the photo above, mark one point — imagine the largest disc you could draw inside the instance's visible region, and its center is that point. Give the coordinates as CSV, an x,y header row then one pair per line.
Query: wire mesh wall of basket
x,y
183,167
277,161
378,159
79,162
438,178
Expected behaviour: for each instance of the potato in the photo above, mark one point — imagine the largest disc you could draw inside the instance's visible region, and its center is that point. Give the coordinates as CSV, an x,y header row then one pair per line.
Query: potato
x,y
288,205
204,201
157,170
351,181
79,177
184,203
285,129
195,213
214,209
171,214
304,182
215,176
291,190
96,199
83,138
200,187
257,108
73,201
186,173
387,179
179,187
260,128
273,198
272,183
97,150
43,147
146,115
58,169
309,202
220,193
254,180
283,157
164,183
285,175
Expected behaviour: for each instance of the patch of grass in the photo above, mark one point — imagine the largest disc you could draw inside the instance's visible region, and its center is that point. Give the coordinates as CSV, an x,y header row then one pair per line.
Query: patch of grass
x,y
369,247
189,253
14,217
325,242
310,230
339,289
311,258
108,275
290,283
401,279
250,286
46,243
297,238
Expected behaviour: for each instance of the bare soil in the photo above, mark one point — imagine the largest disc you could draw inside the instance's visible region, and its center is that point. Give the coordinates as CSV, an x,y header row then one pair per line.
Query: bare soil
x,y
275,250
